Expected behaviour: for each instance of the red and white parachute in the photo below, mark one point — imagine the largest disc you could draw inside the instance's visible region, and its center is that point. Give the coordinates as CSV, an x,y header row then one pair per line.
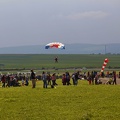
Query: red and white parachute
x,y
104,64
55,45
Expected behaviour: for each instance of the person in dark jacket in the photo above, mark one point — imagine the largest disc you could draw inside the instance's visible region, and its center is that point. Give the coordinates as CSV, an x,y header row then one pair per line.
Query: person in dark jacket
x,y
44,78
33,79
3,79
76,77
114,78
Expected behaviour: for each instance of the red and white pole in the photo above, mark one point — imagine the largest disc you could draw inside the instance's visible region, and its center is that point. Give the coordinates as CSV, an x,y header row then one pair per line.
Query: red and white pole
x,y
104,64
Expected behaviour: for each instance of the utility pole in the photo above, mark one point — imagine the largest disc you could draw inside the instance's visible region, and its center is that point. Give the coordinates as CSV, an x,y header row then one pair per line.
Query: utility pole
x,y
105,49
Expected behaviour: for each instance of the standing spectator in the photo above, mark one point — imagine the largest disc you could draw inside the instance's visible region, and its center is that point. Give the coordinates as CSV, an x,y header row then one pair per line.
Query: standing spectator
x,y
89,78
63,79
8,81
11,80
114,77
76,77
3,79
102,74
119,75
44,78
53,79
92,77
73,78
49,79
14,81
96,79
33,79
68,78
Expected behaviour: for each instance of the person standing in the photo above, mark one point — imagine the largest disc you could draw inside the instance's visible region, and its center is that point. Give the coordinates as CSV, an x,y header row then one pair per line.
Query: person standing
x,y
73,78
92,77
53,79
3,79
96,79
67,75
89,78
76,77
33,79
49,78
8,81
63,79
114,77
44,78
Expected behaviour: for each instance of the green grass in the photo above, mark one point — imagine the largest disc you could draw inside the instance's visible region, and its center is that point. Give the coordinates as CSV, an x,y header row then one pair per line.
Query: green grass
x,y
14,63
82,102
39,61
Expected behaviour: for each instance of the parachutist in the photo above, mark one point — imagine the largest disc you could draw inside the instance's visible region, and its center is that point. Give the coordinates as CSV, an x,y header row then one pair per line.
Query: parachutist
x,y
56,60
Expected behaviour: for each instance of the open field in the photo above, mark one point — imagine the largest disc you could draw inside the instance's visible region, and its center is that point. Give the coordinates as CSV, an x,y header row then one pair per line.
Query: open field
x,y
38,62
82,102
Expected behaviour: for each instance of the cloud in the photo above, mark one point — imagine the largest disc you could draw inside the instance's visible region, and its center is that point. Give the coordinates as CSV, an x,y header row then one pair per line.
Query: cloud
x,y
87,15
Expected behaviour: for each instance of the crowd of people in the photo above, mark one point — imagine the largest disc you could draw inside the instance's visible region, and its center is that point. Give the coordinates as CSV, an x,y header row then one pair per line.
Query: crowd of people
x,y
14,80
50,79
92,77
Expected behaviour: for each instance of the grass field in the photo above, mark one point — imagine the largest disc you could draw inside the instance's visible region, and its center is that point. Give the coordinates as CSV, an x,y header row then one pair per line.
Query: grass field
x,y
82,102
22,62
39,61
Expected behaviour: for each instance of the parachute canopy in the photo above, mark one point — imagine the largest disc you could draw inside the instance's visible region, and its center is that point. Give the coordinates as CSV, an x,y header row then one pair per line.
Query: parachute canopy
x,y
55,45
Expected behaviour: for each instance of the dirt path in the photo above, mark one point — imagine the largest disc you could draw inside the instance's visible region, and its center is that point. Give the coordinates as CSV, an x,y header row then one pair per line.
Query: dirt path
x,y
104,80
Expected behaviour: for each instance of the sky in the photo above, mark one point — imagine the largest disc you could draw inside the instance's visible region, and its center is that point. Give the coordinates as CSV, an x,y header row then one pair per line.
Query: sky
x,y
39,22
